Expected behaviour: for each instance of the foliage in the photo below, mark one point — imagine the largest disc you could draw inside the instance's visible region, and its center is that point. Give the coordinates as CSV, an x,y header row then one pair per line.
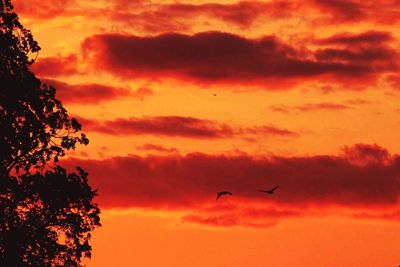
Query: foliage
x,y
46,219
35,127
46,214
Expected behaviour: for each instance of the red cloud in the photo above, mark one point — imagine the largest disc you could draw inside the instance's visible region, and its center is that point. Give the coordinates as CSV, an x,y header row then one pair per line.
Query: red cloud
x,y
344,10
268,130
157,148
369,55
56,66
86,93
42,10
367,154
365,48
162,125
191,181
220,57
228,220
128,3
142,93
356,11
369,38
321,106
235,214
179,126
310,107
179,16
394,81
308,185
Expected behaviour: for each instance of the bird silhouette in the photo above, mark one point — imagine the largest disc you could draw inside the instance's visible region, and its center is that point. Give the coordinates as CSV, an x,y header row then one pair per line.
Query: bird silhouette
x,y
270,191
220,194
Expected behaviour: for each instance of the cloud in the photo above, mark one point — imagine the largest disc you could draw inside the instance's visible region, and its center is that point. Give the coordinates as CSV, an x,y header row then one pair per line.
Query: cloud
x,y
227,58
310,107
380,215
394,81
157,148
142,93
357,11
230,215
43,10
87,93
178,126
364,182
320,106
344,10
128,3
162,125
227,220
371,47
369,38
191,181
368,55
56,66
268,130
173,17
365,154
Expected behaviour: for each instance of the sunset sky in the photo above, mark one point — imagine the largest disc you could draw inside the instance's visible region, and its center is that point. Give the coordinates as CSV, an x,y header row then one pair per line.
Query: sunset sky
x,y
181,99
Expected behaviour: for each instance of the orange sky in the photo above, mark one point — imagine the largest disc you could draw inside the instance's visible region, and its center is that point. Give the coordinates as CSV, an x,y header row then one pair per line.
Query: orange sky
x,y
181,99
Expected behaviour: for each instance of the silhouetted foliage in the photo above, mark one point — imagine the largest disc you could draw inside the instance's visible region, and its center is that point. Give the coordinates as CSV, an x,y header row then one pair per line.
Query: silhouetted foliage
x,y
46,214
34,125
46,219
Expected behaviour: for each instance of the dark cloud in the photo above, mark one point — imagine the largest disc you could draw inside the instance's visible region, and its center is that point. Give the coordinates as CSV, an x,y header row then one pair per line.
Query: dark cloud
x,y
367,154
357,11
179,16
369,37
214,57
371,47
192,180
368,55
189,127
87,93
161,125
342,10
56,66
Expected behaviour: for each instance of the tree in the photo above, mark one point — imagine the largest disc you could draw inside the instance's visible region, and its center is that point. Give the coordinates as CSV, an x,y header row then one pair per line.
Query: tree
x,y
46,214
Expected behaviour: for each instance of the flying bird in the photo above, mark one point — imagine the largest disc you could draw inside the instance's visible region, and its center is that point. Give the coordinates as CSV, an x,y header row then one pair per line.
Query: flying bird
x,y
271,191
220,194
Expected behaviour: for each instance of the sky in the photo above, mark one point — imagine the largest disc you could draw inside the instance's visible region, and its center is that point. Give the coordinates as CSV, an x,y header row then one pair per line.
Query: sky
x,y
181,99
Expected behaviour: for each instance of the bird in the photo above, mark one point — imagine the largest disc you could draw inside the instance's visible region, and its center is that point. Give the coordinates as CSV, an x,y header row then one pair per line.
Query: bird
x,y
270,191
220,194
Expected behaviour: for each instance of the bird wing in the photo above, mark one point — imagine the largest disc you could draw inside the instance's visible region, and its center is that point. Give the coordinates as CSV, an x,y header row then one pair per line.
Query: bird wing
x,y
220,194
273,189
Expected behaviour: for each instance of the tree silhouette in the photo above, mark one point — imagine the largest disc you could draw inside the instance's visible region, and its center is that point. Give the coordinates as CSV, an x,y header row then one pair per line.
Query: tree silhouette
x,y
46,214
